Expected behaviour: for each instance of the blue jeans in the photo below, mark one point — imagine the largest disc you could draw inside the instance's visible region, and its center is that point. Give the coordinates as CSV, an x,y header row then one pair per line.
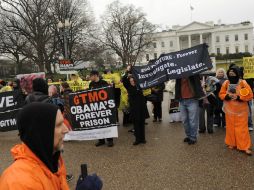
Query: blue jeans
x,y
190,117
250,124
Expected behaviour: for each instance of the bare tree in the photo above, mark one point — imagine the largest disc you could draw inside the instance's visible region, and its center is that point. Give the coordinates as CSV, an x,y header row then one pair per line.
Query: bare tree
x,y
12,45
36,22
126,31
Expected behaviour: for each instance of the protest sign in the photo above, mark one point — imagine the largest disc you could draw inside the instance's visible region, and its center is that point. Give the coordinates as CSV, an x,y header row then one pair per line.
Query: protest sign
x,y
93,114
248,64
66,65
10,104
173,65
26,80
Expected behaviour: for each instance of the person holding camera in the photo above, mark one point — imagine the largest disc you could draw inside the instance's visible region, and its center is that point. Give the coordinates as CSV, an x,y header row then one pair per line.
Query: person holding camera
x,y
235,94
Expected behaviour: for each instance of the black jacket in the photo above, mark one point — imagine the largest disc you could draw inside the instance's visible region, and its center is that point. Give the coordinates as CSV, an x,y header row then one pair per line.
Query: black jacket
x,y
37,97
158,92
101,83
136,100
195,85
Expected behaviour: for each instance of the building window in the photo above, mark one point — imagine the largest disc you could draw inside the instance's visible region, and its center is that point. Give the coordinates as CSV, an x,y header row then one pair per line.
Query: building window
x,y
236,49
217,38
162,44
218,51
147,57
236,37
227,50
245,36
154,45
246,48
227,38
171,44
155,55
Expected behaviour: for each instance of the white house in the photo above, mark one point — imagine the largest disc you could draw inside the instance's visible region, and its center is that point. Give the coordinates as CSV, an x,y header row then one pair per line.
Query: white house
x,y
221,38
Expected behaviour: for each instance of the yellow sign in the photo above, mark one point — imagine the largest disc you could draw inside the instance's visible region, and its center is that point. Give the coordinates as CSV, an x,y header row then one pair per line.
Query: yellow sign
x,y
248,64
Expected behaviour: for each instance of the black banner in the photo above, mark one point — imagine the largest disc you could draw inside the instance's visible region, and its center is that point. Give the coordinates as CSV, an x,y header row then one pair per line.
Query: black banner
x,y
10,104
93,114
93,109
173,65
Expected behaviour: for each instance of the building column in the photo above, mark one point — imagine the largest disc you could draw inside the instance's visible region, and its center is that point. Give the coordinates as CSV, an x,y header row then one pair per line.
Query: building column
x,y
201,38
212,45
178,43
189,40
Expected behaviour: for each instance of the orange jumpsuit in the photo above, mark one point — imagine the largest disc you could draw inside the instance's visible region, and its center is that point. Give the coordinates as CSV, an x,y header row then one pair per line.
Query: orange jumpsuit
x,y
237,132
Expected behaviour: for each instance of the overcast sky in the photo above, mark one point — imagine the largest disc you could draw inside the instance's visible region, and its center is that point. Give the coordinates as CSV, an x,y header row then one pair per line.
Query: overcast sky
x,y
173,12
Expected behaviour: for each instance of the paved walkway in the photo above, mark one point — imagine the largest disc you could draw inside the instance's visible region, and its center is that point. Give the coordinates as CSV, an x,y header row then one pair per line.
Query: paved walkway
x,y
164,163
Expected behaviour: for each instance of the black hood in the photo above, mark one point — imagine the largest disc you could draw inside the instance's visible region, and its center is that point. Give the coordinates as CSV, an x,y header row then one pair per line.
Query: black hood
x,y
36,125
234,79
40,85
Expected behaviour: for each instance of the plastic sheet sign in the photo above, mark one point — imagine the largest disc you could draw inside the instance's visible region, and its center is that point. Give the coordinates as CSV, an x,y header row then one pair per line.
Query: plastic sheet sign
x,y
248,64
93,115
66,65
10,104
175,65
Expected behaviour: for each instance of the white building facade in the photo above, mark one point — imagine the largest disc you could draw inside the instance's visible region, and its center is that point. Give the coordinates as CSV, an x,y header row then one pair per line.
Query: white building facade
x,y
221,39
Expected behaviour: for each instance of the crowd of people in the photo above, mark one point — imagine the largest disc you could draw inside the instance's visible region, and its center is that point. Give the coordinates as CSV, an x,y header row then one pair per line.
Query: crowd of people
x,y
225,98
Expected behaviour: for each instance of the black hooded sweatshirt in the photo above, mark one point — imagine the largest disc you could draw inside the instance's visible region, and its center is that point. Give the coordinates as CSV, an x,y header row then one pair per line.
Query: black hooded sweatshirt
x,y
36,125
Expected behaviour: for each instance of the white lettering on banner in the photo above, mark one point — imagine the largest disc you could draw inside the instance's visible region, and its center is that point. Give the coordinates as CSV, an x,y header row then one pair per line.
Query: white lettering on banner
x,y
6,101
180,55
93,115
92,107
185,69
7,123
95,122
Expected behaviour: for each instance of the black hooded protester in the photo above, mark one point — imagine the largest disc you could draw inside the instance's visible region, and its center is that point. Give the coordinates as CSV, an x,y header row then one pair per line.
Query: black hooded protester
x,y
40,92
38,162
137,103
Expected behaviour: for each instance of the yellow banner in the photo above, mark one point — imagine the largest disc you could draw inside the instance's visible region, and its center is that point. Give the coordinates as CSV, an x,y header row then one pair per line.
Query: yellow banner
x,y
248,64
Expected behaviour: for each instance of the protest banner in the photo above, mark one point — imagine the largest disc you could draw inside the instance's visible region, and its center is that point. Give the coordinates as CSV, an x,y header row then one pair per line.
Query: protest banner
x,y
10,103
93,114
66,65
173,65
248,64
26,80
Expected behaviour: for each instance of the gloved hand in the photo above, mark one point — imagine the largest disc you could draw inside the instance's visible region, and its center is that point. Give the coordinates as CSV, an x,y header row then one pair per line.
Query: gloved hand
x,y
91,182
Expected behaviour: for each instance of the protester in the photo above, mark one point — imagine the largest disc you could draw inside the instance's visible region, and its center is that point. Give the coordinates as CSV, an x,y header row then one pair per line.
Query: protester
x,y
55,98
219,115
158,92
95,83
207,104
38,163
4,87
188,91
65,90
173,104
236,93
137,107
50,81
40,92
17,88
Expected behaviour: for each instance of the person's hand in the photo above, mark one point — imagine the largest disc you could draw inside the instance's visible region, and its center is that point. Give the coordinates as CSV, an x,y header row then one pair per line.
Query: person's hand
x,y
91,182
233,96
